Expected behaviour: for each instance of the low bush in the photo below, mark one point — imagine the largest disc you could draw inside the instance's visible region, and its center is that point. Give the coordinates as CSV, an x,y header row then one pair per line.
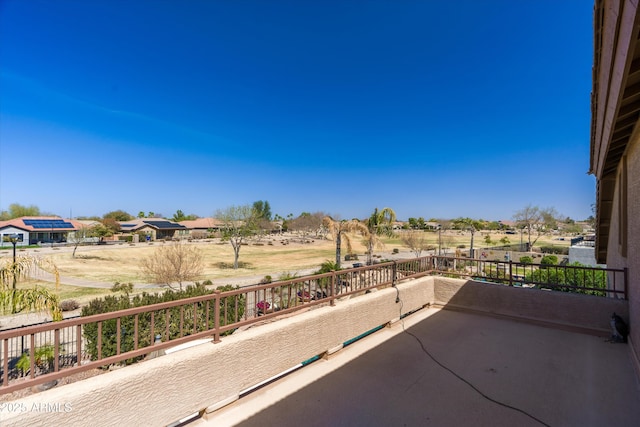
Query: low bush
x,y
172,319
43,359
558,250
125,288
589,282
549,260
286,275
526,260
69,305
199,234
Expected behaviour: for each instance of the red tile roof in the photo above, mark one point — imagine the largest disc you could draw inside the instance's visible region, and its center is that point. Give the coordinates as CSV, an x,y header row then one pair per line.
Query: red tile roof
x,y
202,223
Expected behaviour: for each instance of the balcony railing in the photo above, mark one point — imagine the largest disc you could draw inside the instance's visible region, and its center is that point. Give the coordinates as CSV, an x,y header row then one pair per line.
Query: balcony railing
x,y
605,282
42,353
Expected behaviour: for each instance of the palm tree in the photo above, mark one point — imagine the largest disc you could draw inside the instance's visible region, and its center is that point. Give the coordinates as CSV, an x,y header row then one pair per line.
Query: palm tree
x,y
339,230
380,223
13,300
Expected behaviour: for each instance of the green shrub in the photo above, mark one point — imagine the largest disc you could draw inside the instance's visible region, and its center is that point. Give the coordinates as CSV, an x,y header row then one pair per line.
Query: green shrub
x,y
579,281
231,310
526,260
125,288
559,250
43,359
287,275
549,260
351,257
327,267
395,251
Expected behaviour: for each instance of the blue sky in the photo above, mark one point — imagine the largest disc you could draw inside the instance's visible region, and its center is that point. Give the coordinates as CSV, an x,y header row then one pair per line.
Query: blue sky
x,y
433,108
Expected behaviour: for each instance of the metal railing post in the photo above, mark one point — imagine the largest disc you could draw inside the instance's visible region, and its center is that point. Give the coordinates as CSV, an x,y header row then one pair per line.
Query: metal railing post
x,y
394,272
510,272
332,289
216,316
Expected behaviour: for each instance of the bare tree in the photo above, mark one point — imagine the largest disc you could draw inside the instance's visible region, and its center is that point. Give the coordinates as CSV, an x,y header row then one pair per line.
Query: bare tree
x,y
307,224
416,241
83,235
240,223
536,220
176,263
76,238
468,224
322,231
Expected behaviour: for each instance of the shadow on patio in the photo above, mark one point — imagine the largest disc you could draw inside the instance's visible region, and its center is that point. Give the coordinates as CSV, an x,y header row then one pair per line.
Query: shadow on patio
x,y
485,371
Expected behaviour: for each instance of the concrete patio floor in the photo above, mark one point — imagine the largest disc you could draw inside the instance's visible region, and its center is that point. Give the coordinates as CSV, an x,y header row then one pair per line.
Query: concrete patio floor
x,y
457,369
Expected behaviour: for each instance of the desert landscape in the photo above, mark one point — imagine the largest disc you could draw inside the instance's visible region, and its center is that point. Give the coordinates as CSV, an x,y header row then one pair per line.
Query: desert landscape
x,y
95,268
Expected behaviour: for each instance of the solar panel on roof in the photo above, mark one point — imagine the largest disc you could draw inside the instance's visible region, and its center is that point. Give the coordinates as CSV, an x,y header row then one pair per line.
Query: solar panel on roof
x,y
48,223
167,225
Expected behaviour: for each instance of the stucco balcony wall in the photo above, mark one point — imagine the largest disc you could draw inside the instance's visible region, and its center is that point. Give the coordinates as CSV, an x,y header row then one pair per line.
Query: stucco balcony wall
x,y
163,390
205,377
582,313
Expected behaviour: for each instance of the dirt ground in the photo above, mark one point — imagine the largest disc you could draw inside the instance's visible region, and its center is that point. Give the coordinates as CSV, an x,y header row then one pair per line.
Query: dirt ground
x,y
121,262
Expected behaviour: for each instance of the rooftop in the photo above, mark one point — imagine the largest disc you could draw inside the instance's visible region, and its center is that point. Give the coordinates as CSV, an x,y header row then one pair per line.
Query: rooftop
x,y
39,223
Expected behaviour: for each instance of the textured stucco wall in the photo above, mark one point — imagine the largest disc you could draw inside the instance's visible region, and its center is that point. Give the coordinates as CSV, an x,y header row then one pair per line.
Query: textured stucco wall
x,y
163,390
633,250
582,312
632,260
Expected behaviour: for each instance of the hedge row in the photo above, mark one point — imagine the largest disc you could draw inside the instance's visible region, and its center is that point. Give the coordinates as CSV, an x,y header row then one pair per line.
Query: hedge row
x,y
230,310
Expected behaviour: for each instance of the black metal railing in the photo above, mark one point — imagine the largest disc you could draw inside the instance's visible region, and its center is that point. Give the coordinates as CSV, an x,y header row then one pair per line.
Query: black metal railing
x,y
605,282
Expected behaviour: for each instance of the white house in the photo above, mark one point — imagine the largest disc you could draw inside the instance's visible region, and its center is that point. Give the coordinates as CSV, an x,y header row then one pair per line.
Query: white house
x,y
31,230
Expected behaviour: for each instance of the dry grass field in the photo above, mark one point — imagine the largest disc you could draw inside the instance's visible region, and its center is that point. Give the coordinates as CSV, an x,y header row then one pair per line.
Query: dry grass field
x,y
121,263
